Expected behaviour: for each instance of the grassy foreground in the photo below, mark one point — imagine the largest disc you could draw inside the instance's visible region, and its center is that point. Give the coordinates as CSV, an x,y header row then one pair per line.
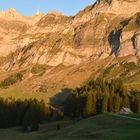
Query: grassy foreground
x,y
101,127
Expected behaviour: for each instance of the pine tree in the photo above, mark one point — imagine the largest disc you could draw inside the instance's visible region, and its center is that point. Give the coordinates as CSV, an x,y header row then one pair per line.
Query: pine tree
x,y
105,104
89,104
111,102
116,103
137,104
94,101
126,102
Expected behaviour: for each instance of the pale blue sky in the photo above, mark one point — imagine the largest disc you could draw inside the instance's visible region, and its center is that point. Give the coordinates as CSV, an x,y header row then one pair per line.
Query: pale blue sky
x,y
29,7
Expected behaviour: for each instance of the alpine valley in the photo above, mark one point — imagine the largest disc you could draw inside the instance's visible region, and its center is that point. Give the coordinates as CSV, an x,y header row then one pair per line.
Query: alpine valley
x,y
71,77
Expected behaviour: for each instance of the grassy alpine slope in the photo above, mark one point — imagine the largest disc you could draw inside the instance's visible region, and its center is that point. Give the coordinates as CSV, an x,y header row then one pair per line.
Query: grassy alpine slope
x,y
100,127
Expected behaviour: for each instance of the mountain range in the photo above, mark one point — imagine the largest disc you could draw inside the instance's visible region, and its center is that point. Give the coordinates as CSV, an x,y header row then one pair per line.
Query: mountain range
x,y
52,52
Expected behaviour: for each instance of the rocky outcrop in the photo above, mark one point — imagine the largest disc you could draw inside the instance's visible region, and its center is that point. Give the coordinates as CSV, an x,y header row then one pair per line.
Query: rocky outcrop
x,y
124,40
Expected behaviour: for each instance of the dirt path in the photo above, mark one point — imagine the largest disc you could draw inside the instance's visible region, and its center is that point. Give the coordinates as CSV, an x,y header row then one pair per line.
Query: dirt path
x,y
121,116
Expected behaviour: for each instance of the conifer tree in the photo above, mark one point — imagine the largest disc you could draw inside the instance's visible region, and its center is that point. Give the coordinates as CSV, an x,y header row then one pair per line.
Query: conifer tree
x,y
89,105
105,104
126,102
111,102
117,103
94,100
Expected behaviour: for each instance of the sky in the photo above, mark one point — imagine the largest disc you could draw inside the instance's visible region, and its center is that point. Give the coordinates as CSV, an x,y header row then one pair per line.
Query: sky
x,y
30,7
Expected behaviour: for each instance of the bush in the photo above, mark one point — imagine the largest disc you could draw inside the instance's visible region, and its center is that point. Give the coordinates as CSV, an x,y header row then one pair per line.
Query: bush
x,y
130,66
27,48
11,80
138,19
37,69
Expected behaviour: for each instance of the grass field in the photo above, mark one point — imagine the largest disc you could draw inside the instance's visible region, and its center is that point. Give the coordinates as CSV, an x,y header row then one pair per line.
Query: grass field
x,y
101,127
133,115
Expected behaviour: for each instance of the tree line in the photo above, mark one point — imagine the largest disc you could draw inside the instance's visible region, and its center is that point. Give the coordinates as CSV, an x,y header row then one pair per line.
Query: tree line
x,y
100,96
27,113
95,97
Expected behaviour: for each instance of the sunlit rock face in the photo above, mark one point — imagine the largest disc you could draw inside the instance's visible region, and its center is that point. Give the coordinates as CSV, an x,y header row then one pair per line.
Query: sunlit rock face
x,y
103,29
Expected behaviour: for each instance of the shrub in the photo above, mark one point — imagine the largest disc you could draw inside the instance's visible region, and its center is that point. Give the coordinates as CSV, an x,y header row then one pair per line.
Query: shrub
x,y
37,69
27,48
11,80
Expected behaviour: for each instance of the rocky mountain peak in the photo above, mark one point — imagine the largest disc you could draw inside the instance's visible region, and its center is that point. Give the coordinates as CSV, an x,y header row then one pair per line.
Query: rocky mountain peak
x,y
56,13
11,13
111,1
124,8
118,6
74,40
105,1
107,29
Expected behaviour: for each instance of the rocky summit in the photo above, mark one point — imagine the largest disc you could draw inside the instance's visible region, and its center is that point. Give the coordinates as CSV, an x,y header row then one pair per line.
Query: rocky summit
x,y
54,51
